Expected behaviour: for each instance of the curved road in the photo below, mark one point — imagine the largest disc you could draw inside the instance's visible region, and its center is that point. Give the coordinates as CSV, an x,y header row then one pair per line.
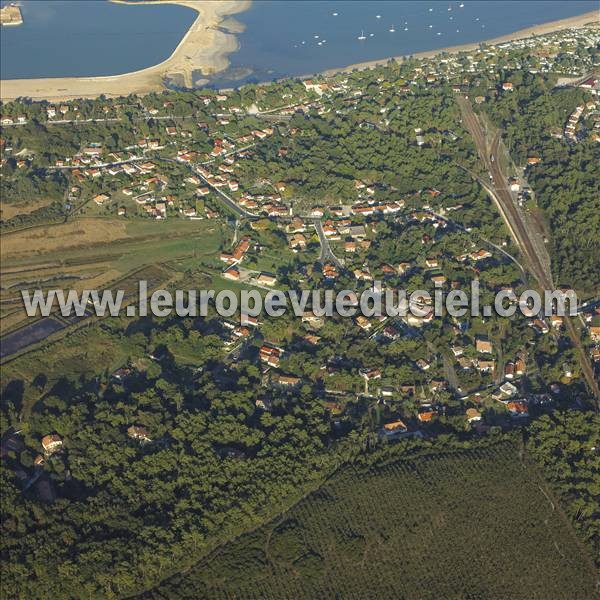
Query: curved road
x,y
327,255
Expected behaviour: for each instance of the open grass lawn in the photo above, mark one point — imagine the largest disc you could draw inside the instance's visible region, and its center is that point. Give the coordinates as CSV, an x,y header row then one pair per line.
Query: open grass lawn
x,y
472,525
269,260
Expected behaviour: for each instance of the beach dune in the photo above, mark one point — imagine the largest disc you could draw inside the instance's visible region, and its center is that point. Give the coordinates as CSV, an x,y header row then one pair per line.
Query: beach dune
x,y
203,48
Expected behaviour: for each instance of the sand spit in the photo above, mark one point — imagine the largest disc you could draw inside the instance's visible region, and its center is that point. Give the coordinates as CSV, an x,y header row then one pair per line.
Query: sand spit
x,y
204,48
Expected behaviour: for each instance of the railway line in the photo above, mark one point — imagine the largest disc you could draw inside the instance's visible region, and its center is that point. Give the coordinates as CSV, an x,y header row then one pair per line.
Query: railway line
x,y
521,233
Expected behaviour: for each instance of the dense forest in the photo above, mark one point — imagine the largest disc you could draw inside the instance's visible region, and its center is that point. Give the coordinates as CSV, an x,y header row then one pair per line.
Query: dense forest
x,y
370,531
131,513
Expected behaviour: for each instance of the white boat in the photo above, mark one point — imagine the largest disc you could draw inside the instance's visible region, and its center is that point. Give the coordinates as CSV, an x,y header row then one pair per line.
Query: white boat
x,y
392,30
461,6
406,29
334,14
362,36
378,16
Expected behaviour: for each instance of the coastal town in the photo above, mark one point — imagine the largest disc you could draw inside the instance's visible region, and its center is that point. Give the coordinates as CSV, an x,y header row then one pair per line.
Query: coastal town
x,y
357,180
184,168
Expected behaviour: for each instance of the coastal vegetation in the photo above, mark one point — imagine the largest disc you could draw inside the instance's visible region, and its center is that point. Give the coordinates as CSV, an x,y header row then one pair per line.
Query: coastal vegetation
x,y
99,253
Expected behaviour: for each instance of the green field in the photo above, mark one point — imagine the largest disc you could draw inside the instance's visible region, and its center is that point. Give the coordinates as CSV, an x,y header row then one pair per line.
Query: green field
x,y
478,524
96,253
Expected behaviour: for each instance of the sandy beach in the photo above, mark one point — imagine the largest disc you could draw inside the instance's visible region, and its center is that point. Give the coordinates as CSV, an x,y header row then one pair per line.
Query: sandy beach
x,y
206,48
586,19
203,48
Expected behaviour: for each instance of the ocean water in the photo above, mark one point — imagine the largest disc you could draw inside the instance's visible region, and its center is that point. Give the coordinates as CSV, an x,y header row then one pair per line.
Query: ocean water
x,y
281,38
89,37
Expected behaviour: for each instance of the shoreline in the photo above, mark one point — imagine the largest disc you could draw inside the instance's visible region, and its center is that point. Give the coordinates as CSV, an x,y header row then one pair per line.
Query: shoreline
x,y
204,47
588,18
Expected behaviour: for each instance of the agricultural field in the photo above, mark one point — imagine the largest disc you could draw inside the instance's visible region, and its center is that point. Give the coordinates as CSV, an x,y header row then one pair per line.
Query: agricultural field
x,y
474,524
95,253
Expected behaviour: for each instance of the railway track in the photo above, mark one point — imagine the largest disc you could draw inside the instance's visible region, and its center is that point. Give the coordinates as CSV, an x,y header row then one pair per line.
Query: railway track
x,y
519,229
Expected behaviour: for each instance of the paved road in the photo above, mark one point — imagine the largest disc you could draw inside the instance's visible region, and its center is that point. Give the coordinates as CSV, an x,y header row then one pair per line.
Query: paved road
x,y
327,255
117,163
147,117
227,200
477,235
519,230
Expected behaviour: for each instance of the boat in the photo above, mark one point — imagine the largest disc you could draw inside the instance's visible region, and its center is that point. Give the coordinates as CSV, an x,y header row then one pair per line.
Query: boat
x,y
461,5
334,14
362,36
392,30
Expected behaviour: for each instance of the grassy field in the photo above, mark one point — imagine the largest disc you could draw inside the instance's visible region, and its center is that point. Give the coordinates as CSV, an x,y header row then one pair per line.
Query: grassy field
x,y
93,253
85,239
96,253
8,211
478,524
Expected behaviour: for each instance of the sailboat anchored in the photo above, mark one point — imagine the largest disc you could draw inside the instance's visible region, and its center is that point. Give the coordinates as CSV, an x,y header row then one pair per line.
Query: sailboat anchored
x,y
362,35
392,29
